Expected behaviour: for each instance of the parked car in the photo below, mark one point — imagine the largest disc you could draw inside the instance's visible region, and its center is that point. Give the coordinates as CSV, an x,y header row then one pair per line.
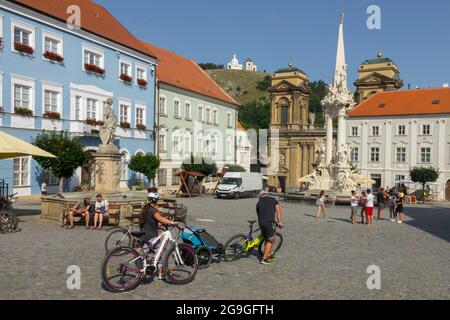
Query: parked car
x,y
239,184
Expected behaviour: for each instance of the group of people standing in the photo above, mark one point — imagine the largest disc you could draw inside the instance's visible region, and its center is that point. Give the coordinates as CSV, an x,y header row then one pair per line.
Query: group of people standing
x,y
394,201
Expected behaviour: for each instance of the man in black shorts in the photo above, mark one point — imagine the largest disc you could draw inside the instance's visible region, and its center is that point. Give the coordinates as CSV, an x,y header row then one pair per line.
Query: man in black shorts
x,y
266,209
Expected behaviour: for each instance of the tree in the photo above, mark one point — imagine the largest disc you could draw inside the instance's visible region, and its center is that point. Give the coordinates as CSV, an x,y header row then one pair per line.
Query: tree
x,y
255,115
147,164
68,151
195,165
210,66
423,175
234,168
318,92
264,84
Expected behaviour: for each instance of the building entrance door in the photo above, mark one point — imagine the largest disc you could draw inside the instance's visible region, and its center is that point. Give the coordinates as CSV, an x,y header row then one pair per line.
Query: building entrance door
x,y
282,182
377,185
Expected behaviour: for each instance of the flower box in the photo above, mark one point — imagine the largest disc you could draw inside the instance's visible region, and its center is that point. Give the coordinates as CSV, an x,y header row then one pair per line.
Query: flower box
x,y
52,115
125,125
23,111
141,126
23,48
142,82
1,42
93,68
2,110
53,56
94,122
125,77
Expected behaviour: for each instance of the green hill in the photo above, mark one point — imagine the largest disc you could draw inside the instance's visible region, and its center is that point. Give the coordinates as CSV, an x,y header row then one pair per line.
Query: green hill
x,y
241,85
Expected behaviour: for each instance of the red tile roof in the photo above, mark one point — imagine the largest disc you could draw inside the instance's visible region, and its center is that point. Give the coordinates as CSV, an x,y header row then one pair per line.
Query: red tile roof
x,y
94,18
403,103
184,73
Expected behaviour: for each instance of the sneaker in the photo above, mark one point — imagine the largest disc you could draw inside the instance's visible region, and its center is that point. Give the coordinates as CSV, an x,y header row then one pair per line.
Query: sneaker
x,y
161,276
392,220
265,261
271,258
400,221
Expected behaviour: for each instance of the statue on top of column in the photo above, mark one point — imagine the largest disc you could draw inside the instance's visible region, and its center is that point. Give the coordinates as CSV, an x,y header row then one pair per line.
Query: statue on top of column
x,y
110,123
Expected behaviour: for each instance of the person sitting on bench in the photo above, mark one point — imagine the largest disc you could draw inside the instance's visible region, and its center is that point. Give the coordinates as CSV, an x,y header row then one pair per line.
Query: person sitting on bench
x,y
80,210
101,210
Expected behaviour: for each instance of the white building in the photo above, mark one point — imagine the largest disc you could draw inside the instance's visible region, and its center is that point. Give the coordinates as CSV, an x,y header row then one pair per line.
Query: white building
x,y
392,132
243,147
234,64
250,65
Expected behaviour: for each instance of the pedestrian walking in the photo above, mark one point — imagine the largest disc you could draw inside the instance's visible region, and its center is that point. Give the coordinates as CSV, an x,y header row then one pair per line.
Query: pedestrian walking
x,y
399,203
320,204
353,206
44,188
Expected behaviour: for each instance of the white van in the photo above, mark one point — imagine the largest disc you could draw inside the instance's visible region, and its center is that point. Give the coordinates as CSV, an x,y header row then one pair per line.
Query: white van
x,y
239,184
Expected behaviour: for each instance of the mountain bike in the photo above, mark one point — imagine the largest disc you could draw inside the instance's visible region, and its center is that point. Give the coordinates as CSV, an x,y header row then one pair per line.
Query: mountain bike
x,y
124,268
123,237
242,244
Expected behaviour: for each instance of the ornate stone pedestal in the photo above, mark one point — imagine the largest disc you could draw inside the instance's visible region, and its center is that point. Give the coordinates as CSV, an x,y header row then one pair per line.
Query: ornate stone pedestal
x,y
107,169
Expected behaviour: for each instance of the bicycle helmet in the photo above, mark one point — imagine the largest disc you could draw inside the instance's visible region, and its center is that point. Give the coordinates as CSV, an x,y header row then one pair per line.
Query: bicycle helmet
x,y
153,196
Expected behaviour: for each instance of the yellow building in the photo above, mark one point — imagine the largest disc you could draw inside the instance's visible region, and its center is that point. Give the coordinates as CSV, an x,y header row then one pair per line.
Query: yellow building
x,y
298,135
377,75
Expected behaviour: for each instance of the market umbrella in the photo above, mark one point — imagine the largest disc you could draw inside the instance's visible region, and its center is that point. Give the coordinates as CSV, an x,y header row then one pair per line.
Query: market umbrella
x,y
362,180
12,147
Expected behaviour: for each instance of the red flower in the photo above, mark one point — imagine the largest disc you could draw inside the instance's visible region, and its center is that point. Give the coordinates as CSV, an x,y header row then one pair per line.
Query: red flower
x,y
142,82
93,68
141,126
53,56
23,48
52,115
125,77
125,125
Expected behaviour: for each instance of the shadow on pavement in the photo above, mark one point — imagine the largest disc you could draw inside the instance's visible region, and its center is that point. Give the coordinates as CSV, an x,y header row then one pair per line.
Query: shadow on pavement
x,y
434,220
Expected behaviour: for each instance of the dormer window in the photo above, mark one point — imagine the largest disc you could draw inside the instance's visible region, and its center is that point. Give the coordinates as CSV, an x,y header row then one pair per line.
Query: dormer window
x,y
436,102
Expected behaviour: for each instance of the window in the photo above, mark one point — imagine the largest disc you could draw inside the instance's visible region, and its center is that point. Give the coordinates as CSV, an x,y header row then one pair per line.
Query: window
x,y
22,36
93,56
22,33
401,154
355,132
124,113
187,111
21,171
229,146
187,144
176,109
284,115
426,129
125,68
401,130
425,155
162,106
354,154
22,96
51,101
216,116
229,120
200,113
162,177
375,131
162,141
91,108
78,106
208,115
141,73
375,154
52,43
140,115
199,143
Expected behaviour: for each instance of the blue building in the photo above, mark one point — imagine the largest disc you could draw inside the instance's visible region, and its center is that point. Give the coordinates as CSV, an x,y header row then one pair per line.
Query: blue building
x,y
55,75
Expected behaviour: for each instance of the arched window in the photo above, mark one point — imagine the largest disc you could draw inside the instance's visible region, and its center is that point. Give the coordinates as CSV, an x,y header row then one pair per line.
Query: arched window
x,y
284,115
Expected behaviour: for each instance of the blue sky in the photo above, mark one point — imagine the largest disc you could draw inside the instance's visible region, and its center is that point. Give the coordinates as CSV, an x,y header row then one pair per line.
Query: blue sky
x,y
415,34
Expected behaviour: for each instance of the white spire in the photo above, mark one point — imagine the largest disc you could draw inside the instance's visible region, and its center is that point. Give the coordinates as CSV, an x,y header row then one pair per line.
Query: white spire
x,y
340,73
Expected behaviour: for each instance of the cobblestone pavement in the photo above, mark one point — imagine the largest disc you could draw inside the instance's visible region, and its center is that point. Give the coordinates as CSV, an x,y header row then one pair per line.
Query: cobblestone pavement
x,y
320,259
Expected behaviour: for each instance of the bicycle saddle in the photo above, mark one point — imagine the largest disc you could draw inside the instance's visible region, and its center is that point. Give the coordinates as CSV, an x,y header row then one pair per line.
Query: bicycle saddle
x,y
252,222
137,234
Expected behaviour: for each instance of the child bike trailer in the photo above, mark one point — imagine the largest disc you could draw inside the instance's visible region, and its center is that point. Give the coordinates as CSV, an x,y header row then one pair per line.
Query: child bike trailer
x,y
204,244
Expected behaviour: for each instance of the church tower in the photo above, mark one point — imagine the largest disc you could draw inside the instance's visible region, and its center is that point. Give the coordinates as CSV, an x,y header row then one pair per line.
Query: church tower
x,y
376,75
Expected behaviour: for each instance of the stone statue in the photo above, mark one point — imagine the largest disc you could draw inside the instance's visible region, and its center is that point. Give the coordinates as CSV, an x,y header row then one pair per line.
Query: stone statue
x,y
282,160
321,151
343,155
312,118
109,125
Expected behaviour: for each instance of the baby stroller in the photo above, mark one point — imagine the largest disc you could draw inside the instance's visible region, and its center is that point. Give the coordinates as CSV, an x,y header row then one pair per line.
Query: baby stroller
x,y
205,245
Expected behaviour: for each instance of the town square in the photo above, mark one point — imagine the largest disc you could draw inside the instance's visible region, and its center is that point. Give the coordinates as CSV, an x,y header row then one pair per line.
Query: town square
x,y
153,163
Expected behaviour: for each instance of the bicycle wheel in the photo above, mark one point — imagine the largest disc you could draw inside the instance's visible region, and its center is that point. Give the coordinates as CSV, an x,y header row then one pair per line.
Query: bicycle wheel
x,y
204,257
276,245
180,273
117,238
235,247
121,269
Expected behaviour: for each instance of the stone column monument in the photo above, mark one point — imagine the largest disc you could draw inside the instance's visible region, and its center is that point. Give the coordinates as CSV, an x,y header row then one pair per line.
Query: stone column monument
x,y
108,158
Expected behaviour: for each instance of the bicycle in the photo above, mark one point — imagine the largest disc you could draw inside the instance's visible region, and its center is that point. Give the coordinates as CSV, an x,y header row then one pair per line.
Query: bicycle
x,y
179,263
242,244
122,237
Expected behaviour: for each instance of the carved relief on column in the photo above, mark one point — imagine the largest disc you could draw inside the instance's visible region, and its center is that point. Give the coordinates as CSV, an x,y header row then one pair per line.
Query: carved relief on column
x,y
311,156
